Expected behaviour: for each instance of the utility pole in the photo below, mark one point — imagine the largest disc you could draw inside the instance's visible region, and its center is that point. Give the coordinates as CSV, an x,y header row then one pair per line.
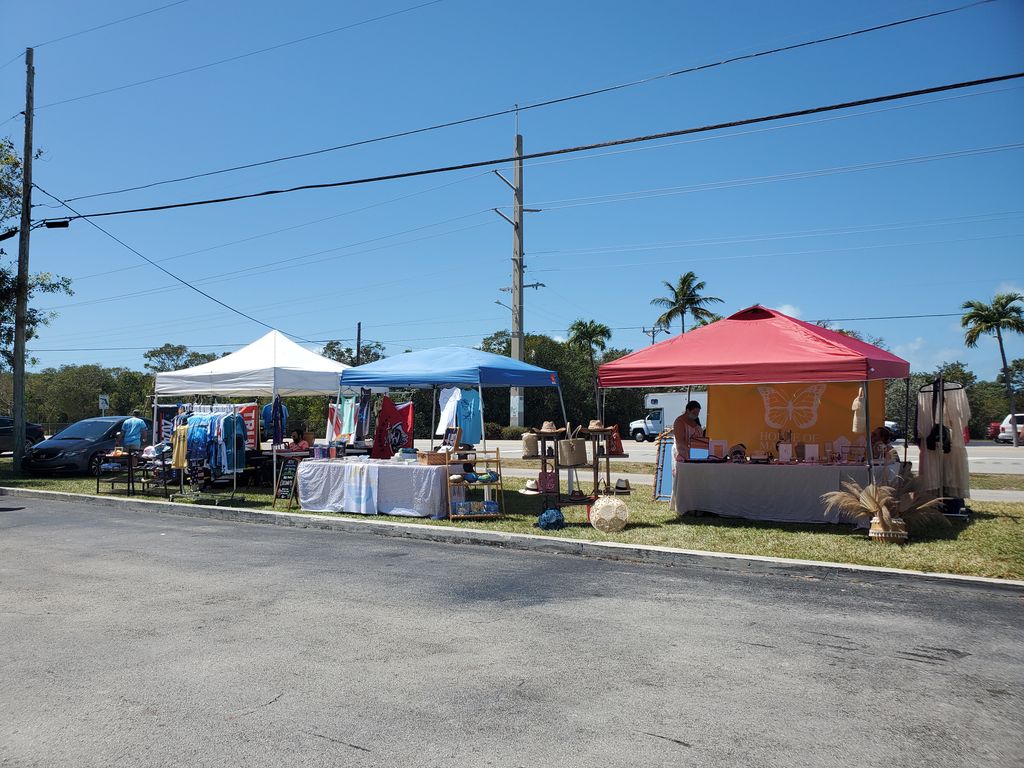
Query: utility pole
x,y
359,342
21,286
653,332
516,405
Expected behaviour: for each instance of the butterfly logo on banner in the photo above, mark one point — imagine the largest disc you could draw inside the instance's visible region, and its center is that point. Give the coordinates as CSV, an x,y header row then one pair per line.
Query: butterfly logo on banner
x,y
800,410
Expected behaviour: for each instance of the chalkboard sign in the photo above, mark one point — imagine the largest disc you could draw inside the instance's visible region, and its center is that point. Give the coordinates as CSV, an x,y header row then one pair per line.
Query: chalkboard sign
x,y
286,481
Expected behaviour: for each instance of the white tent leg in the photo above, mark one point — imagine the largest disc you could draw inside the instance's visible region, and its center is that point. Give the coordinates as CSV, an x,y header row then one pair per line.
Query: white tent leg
x,y
565,419
868,448
433,415
483,424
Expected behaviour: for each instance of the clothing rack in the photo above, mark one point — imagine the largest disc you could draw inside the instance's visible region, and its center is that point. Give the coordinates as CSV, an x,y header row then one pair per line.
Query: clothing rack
x,y
938,387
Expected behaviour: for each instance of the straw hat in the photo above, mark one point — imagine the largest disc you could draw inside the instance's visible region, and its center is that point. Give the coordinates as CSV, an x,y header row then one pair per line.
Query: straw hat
x,y
456,478
531,488
596,425
549,428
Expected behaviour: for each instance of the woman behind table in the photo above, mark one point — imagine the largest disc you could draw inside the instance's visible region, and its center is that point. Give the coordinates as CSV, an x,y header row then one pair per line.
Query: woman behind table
x,y
881,445
298,442
688,431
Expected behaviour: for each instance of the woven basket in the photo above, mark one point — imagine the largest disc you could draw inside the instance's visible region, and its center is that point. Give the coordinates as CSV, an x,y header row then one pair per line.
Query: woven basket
x,y
894,534
432,459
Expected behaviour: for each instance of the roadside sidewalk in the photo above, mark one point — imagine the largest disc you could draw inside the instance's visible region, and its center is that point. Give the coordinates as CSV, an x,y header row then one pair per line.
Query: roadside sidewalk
x,y
604,550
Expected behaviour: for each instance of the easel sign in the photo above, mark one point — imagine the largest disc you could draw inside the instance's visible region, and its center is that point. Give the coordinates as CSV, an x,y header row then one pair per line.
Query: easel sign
x,y
287,480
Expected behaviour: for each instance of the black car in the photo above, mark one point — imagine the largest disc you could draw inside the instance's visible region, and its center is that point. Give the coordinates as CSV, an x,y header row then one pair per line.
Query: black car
x,y
77,449
33,434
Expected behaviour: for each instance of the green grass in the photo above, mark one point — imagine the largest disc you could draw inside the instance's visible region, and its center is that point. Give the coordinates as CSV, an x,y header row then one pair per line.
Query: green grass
x,y
992,544
998,482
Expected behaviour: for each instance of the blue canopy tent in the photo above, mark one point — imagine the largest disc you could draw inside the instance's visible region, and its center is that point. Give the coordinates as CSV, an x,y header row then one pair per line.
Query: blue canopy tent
x,y
450,366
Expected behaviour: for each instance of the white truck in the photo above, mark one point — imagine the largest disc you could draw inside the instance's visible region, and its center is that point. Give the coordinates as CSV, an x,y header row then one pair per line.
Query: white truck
x,y
662,410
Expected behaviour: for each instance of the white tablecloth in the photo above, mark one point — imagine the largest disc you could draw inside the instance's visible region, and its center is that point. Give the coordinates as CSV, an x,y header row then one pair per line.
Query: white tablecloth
x,y
372,487
789,493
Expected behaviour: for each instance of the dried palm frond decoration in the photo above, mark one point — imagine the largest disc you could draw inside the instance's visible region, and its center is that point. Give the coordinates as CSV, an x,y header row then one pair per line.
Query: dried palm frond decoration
x,y
888,509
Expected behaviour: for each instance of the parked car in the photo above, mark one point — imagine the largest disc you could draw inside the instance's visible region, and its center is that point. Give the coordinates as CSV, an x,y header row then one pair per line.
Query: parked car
x,y
1006,429
896,429
33,434
77,449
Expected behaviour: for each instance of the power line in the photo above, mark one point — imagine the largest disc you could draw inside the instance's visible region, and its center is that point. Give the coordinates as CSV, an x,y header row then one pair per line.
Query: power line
x,y
553,205
566,150
517,109
245,55
279,264
90,29
166,272
810,252
293,227
981,218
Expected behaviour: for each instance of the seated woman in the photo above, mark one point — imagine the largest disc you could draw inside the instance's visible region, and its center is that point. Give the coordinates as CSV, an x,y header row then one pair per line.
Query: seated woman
x,y
299,443
881,446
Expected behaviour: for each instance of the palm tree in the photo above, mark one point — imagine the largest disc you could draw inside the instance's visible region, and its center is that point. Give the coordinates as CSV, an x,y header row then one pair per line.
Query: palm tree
x,y
1003,314
684,298
590,335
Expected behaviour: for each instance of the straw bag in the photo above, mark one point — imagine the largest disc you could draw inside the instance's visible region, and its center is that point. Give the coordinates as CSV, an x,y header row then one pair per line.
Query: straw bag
x,y
530,448
572,451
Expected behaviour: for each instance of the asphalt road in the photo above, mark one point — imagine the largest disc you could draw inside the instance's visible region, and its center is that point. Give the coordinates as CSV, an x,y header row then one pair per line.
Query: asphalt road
x,y
137,639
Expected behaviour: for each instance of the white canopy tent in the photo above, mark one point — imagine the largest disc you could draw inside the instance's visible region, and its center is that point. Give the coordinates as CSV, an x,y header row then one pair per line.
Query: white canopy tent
x,y
270,366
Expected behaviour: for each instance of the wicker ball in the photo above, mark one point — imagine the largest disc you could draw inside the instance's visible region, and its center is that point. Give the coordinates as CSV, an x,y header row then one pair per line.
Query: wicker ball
x,y
609,514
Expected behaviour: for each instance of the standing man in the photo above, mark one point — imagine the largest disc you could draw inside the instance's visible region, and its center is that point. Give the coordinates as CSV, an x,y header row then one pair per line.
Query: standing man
x,y
133,430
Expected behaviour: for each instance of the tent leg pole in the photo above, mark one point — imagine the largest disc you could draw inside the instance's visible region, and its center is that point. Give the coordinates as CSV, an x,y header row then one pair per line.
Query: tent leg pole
x,y
565,419
483,424
869,449
433,415
156,412
906,421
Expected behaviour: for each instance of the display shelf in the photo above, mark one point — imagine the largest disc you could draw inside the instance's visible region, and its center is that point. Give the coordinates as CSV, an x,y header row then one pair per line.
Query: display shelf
x,y
135,474
482,461
599,450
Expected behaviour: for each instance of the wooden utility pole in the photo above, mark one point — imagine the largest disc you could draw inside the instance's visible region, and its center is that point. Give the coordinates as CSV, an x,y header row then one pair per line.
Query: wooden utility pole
x,y
516,402
359,343
21,285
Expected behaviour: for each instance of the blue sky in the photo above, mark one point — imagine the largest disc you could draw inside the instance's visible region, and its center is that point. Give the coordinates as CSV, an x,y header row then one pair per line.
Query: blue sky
x,y
797,215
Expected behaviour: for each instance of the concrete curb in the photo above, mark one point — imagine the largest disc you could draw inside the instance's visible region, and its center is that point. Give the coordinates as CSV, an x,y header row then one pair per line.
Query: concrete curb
x,y
603,550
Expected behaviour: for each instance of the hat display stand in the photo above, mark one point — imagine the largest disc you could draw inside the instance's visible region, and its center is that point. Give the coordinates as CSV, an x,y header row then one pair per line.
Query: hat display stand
x,y
600,449
548,439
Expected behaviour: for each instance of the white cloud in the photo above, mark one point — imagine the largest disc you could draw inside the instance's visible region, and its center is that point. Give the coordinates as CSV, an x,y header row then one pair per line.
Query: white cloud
x,y
788,309
1007,287
923,357
559,338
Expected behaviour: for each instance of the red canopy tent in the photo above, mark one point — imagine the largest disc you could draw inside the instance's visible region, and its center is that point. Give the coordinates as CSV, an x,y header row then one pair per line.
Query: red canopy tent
x,y
754,346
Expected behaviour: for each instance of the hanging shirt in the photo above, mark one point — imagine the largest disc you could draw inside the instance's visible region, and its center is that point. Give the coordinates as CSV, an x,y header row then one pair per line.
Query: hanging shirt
x,y
469,417
179,442
448,399
394,429
267,417
363,414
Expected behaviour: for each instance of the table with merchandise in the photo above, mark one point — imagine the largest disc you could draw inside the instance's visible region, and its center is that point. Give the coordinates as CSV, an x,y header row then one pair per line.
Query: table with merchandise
x,y
788,492
373,486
